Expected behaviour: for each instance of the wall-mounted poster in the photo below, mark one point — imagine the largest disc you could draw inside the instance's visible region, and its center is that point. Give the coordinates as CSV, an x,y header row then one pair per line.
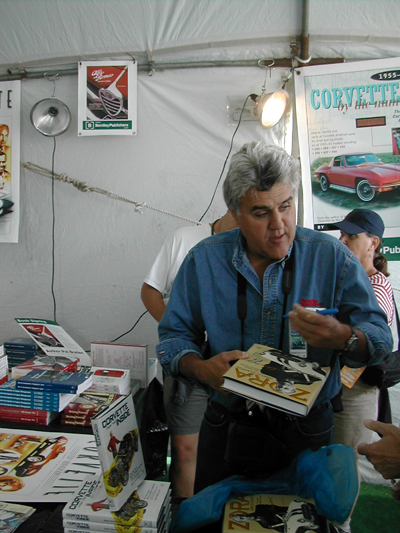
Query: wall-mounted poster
x,y
107,98
349,134
10,109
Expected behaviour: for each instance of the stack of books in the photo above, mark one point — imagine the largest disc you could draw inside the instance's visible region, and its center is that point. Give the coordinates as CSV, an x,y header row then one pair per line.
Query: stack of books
x,y
110,380
39,396
30,406
64,363
85,406
147,509
19,350
119,498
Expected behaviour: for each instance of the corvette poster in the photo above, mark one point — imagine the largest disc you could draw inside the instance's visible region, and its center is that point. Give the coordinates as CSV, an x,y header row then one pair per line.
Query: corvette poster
x,y
349,136
107,98
40,466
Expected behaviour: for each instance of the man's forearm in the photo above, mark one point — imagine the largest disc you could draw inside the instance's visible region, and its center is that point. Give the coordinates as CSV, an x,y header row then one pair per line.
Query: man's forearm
x,y
190,367
153,301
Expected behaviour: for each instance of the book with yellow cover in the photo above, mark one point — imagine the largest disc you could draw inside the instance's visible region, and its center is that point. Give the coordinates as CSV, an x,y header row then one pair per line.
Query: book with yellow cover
x,y
280,381
271,513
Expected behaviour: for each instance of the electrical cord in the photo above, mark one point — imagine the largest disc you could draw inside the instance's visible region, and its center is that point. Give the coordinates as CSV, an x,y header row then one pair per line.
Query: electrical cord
x,y
226,160
129,330
53,234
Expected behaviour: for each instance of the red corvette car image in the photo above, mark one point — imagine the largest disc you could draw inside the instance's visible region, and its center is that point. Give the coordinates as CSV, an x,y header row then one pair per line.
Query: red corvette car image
x,y
362,174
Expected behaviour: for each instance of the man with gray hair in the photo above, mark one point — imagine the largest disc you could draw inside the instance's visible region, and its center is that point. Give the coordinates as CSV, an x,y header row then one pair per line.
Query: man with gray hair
x,y
238,286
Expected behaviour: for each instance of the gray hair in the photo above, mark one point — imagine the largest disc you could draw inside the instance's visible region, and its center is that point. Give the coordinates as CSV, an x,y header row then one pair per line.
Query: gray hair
x,y
259,166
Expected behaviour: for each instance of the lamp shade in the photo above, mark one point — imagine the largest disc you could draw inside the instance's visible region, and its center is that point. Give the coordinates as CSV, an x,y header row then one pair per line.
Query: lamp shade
x,y
50,117
271,107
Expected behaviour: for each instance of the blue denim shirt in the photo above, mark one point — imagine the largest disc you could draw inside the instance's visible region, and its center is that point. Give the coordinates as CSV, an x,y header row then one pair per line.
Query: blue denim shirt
x,y
204,298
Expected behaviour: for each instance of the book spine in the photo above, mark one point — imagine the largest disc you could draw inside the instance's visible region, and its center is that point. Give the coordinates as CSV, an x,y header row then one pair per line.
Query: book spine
x,y
73,525
45,387
31,403
19,411
21,347
26,419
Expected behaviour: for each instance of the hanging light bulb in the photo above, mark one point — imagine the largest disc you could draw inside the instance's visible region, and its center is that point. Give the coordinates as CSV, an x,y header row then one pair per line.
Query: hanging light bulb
x,y
271,107
50,116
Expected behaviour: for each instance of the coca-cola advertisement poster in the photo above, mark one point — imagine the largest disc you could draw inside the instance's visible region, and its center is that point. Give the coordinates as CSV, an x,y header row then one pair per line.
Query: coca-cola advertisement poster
x,y
107,98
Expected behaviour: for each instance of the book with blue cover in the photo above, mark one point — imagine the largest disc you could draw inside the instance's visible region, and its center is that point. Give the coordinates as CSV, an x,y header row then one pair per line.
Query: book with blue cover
x,y
55,381
33,399
21,343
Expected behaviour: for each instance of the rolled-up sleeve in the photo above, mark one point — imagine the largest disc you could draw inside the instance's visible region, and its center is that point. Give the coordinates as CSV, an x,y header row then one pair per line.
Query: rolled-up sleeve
x,y
181,329
359,303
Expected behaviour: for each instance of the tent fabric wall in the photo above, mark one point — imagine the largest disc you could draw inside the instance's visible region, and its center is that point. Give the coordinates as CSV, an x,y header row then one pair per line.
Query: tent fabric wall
x,y
103,247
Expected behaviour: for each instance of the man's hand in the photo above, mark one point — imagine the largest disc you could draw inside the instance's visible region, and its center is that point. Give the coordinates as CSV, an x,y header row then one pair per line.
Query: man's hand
x,y
319,330
209,371
384,454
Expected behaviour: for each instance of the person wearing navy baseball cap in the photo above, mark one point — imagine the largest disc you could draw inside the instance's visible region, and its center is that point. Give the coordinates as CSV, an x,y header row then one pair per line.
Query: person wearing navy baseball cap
x,y
362,231
360,221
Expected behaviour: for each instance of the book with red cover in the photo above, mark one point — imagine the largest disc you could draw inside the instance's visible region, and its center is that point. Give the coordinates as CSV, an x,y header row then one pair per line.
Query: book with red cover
x,y
64,363
20,414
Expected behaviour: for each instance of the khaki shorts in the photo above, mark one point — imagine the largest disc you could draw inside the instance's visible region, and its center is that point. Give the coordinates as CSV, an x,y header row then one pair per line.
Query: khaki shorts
x,y
184,418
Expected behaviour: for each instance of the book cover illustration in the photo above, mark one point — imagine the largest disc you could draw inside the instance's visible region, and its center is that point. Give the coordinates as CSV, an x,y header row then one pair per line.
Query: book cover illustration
x,y
46,362
52,338
281,381
86,406
145,507
38,466
89,402
120,452
12,515
271,513
55,381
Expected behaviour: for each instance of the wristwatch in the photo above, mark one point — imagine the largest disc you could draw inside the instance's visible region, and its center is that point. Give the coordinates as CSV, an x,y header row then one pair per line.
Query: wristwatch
x,y
351,343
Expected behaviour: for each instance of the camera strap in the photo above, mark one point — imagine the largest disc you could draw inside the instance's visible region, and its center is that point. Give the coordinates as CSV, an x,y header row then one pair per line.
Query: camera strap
x,y
287,279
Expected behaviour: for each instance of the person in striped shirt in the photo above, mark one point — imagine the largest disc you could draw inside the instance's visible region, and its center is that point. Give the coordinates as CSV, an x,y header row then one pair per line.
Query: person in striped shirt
x,y
362,231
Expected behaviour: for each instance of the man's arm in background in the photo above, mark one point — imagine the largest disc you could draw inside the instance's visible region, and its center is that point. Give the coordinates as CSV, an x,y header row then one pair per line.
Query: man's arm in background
x,y
153,301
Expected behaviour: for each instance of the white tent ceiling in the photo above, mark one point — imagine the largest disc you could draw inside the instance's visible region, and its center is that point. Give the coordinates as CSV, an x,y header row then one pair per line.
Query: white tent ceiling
x,y
51,33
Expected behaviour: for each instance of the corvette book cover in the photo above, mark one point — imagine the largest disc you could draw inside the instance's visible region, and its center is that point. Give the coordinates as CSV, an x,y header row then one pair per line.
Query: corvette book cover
x,y
280,381
120,452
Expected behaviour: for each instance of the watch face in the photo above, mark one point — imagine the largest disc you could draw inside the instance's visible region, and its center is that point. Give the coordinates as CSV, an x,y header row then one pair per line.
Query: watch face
x,y
352,343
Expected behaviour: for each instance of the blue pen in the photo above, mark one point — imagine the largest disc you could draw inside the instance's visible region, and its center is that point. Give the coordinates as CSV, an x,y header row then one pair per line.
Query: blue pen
x,y
332,311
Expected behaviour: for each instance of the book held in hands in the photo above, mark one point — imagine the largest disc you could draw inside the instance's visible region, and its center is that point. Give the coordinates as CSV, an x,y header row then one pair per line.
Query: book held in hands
x,y
116,433
270,377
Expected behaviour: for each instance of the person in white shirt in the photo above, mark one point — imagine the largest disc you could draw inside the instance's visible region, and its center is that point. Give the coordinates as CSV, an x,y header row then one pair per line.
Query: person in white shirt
x,y
184,405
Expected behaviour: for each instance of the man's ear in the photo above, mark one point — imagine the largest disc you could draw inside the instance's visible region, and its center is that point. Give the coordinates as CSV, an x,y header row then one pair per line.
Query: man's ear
x,y
234,216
